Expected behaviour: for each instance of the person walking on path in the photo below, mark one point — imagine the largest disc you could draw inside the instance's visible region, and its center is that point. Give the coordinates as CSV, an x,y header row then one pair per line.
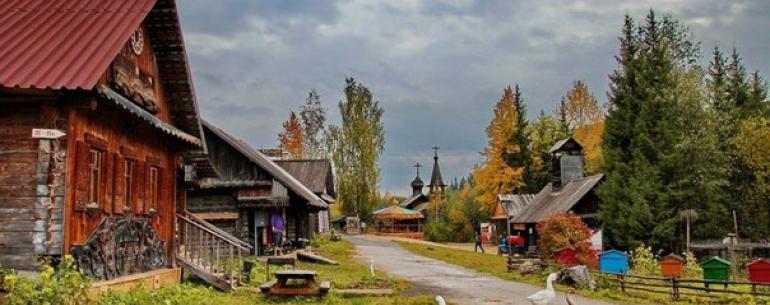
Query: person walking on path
x,y
477,237
277,222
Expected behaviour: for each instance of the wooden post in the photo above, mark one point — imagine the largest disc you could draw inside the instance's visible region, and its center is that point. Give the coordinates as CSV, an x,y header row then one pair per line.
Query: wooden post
x,y
622,282
675,288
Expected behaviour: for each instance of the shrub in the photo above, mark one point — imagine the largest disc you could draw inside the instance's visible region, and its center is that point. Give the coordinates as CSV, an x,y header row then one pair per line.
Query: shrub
x,y
643,262
561,230
438,230
64,285
692,268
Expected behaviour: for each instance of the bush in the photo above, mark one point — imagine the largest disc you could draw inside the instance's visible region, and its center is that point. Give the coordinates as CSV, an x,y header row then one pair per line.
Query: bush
x,y
566,230
692,268
643,262
64,285
439,230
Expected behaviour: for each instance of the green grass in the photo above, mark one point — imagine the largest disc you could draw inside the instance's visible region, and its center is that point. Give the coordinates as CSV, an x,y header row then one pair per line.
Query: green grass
x,y
348,274
496,266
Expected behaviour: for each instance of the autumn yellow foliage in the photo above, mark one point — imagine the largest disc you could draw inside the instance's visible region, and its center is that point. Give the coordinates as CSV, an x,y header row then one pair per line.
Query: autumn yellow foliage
x,y
590,136
494,176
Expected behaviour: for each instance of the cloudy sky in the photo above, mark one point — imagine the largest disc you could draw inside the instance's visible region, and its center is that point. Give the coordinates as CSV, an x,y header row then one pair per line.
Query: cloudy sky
x,y
437,67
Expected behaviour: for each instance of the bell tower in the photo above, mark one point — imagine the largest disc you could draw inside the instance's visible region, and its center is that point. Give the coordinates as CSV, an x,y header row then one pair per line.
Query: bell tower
x,y
436,182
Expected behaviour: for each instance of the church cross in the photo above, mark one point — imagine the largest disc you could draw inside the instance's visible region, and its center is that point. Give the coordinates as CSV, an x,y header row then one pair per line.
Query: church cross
x,y
417,166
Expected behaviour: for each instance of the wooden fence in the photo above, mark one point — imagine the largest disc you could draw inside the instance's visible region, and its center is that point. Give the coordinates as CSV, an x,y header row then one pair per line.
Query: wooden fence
x,y
683,287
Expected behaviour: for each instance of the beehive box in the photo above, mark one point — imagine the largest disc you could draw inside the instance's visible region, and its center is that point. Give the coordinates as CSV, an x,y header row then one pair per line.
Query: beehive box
x,y
716,269
613,261
672,265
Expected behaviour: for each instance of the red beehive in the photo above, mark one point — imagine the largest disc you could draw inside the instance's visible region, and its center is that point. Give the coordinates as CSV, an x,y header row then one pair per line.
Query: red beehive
x,y
759,270
566,256
672,265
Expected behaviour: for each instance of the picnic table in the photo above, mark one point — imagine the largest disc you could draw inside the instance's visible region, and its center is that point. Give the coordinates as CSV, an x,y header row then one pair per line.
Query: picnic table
x,y
306,286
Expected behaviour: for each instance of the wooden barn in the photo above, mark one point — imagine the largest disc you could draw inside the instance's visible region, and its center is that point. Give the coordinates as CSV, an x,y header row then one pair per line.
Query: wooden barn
x,y
568,191
97,111
251,187
317,175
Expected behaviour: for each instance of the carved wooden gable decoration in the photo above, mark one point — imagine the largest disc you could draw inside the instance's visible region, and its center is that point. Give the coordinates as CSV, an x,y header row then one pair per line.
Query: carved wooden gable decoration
x,y
120,246
133,72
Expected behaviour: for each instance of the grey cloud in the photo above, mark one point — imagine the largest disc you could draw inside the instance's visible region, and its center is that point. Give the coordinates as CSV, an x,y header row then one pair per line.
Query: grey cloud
x,y
438,67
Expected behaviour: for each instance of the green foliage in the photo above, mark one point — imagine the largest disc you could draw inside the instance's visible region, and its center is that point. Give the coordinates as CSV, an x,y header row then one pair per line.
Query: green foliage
x,y
462,213
518,152
643,261
545,131
692,268
355,147
667,142
64,285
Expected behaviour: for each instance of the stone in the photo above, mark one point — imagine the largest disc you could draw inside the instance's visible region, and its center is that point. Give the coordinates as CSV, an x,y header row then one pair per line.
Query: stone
x,y
530,267
577,276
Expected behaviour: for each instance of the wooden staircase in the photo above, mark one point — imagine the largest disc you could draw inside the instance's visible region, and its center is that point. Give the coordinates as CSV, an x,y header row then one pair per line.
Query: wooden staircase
x,y
209,252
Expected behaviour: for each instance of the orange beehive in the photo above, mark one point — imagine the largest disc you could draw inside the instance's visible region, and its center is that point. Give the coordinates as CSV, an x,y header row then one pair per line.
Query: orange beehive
x,y
672,265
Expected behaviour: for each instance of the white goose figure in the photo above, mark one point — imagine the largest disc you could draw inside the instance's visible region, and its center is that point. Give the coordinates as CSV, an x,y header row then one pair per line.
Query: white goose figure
x,y
544,297
440,300
371,266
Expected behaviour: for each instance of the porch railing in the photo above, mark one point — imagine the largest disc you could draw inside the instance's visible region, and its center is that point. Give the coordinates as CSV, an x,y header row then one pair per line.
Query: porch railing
x,y
399,228
213,254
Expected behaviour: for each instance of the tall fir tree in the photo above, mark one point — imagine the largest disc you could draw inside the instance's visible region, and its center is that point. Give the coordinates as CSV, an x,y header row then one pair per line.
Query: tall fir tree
x,y
640,137
495,176
544,132
758,94
518,153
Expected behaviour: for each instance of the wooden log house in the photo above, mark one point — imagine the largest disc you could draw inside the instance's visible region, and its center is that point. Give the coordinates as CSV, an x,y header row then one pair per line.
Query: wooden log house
x,y
250,187
113,77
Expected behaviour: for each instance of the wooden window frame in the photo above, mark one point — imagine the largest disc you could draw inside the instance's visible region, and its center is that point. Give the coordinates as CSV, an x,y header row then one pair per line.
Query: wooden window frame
x,y
153,190
129,178
97,186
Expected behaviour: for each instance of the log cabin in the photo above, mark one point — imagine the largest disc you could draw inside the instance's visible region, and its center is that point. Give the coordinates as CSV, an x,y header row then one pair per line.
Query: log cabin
x,y
316,175
97,112
569,191
250,187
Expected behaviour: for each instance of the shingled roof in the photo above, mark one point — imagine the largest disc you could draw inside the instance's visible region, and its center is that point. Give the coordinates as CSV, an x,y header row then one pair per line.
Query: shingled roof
x,y
316,174
268,165
549,201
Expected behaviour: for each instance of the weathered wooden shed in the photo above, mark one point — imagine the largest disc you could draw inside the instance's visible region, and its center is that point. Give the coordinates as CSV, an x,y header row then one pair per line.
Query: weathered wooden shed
x,y
97,110
316,175
568,191
249,188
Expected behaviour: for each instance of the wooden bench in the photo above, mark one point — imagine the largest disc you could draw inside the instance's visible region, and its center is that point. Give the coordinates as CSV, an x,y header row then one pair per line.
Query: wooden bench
x,y
278,261
307,278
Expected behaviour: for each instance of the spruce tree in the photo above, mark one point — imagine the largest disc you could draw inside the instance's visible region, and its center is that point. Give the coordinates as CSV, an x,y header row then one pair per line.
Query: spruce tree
x,y
643,142
758,94
521,156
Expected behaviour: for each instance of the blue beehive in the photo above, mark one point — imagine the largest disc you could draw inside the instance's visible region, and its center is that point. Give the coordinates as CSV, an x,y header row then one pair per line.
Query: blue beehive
x,y
613,261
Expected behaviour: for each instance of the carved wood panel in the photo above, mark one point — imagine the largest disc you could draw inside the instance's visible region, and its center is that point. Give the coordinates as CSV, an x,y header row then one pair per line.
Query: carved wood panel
x,y
120,246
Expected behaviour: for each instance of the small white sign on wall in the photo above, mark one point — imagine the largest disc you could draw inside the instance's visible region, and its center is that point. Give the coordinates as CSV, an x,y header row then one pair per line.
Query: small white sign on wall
x,y
38,133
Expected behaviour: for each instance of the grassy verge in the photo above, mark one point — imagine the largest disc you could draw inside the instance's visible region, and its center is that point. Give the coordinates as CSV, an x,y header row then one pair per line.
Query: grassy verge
x,y
496,266
348,274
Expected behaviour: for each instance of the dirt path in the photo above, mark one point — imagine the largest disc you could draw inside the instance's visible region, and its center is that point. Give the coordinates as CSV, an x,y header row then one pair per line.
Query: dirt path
x,y
456,284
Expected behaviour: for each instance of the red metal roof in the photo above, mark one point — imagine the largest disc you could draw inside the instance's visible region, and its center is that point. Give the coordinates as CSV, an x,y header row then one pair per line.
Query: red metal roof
x,y
63,43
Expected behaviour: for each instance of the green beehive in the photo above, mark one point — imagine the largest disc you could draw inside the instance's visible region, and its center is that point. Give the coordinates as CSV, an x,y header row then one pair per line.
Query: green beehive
x,y
716,269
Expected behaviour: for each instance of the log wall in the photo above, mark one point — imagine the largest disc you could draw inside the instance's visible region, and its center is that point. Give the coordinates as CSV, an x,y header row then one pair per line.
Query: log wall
x,y
32,184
